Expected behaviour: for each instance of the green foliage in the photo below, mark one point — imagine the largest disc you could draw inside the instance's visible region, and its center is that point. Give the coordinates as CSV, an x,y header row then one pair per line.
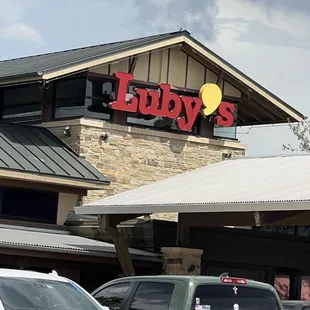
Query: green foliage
x,y
302,132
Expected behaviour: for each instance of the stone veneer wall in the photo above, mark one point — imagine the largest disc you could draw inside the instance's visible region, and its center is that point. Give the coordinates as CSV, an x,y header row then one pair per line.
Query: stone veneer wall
x,y
132,157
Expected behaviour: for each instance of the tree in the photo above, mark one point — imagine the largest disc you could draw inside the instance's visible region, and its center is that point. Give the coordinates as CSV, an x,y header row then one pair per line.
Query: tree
x,y
302,132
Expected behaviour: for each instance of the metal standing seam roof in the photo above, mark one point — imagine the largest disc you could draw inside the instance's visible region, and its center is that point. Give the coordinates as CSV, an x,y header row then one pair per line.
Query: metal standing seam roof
x,y
36,66
62,242
46,63
35,150
242,184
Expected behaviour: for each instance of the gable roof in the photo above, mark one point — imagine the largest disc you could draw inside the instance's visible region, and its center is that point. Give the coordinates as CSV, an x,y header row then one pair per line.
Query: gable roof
x,y
280,183
35,151
53,65
38,65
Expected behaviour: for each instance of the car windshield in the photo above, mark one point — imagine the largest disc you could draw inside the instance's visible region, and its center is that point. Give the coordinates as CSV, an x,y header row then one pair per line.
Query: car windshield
x,y
28,293
234,297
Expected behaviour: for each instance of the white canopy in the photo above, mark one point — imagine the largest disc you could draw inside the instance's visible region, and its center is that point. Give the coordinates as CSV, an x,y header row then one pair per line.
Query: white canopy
x,y
280,183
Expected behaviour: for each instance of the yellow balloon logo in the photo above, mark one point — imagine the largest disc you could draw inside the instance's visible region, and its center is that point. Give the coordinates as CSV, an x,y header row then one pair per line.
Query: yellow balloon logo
x,y
211,97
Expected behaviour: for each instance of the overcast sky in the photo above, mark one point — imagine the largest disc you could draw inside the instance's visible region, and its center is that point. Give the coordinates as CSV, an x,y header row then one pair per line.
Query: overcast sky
x,y
269,40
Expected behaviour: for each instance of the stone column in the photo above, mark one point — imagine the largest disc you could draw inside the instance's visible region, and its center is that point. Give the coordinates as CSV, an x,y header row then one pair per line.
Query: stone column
x,y
181,261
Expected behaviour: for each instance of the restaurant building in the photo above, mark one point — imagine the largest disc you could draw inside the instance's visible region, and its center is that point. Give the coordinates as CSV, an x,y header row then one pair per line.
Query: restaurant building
x,y
137,111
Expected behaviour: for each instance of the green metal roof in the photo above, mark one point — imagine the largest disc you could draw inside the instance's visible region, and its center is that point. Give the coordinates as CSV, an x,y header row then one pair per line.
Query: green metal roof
x,y
35,66
35,150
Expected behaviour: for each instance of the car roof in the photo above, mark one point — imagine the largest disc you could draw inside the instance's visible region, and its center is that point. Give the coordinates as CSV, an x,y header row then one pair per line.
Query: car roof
x,y
14,273
196,279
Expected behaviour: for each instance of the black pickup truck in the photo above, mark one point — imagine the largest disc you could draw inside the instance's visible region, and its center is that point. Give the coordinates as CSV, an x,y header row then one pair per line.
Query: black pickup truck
x,y
187,293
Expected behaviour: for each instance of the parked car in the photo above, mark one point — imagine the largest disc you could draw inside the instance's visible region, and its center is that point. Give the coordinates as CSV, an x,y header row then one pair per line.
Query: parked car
x,y
296,305
21,290
187,293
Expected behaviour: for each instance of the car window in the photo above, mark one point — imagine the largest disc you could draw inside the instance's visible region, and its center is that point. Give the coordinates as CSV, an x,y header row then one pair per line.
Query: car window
x,y
306,308
42,294
238,297
152,296
113,295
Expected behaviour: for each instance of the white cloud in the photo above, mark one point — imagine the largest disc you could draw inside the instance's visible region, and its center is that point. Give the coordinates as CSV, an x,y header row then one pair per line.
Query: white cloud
x,y
20,31
282,70
251,11
12,25
10,11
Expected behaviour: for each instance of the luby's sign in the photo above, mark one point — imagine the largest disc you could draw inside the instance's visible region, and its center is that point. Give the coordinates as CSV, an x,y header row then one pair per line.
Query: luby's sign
x,y
163,103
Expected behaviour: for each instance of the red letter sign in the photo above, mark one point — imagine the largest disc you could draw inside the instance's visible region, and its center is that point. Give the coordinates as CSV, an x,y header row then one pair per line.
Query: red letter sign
x,y
225,116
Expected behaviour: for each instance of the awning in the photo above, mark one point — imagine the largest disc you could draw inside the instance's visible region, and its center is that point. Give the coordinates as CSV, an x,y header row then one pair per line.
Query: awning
x,y
280,183
33,153
26,238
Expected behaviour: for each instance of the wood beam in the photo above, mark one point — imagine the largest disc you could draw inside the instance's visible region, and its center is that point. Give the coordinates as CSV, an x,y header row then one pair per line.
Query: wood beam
x,y
120,244
238,84
269,218
132,64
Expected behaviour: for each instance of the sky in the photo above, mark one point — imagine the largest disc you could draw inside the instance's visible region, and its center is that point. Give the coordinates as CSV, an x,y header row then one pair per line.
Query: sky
x,y
269,40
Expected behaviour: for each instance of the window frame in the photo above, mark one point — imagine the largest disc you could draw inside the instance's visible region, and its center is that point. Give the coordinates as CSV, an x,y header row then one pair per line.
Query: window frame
x,y
3,106
93,76
127,295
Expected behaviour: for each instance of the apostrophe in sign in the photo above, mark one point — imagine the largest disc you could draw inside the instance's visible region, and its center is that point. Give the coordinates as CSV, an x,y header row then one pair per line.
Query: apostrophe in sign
x,y
211,97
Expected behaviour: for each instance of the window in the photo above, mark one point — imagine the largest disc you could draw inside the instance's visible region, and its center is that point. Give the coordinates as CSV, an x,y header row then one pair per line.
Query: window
x,y
305,288
112,296
218,297
99,93
30,205
69,97
156,121
282,286
227,132
152,296
29,293
22,104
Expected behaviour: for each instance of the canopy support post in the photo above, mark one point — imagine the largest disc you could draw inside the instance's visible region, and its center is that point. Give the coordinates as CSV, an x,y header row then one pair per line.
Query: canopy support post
x,y
120,244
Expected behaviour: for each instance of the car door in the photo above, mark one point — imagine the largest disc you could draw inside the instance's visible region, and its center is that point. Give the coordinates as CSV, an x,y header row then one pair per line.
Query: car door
x,y
114,295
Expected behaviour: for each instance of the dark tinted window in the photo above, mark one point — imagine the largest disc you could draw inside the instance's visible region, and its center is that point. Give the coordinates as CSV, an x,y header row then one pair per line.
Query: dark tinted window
x,y
229,297
158,122
22,104
99,93
112,296
27,204
70,97
227,132
306,308
152,296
